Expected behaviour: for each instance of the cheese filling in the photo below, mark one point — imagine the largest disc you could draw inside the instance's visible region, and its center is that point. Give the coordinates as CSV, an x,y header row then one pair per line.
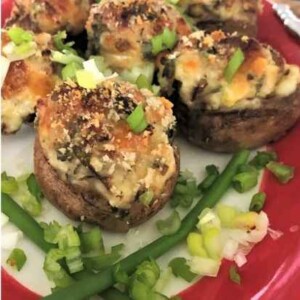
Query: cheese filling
x,y
93,149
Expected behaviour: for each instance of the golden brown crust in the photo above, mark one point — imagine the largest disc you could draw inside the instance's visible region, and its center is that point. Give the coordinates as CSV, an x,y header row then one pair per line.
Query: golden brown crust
x,y
50,15
231,131
76,207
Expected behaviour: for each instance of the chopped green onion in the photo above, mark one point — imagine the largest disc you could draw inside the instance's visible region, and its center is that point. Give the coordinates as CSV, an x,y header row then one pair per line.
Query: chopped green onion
x,y
282,172
204,266
212,173
73,259
195,245
9,184
19,35
170,225
102,65
226,214
53,269
139,290
92,241
25,49
69,71
181,269
246,179
212,242
234,64
136,120
257,202
86,79
65,57
262,159
157,44
58,40
147,273
234,275
17,258
34,188
208,219
169,38
29,202
51,231
143,83
166,40
185,190
146,198
67,237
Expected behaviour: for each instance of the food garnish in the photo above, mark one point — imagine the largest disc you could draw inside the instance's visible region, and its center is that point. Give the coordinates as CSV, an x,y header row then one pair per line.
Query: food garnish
x,y
282,172
257,202
170,225
17,259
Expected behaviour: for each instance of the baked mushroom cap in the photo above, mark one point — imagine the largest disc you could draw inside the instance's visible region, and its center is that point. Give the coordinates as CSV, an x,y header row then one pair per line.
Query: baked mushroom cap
x,y
50,15
121,31
229,15
210,108
26,81
85,142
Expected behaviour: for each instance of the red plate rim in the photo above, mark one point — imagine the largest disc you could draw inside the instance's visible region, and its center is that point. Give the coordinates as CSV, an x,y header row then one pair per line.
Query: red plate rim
x,y
268,274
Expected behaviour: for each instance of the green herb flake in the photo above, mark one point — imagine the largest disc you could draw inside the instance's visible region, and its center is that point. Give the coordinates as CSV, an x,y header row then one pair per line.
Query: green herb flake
x,y
234,275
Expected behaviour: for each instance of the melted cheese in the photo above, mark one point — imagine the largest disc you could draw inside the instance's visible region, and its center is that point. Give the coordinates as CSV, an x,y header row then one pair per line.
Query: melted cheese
x,y
289,83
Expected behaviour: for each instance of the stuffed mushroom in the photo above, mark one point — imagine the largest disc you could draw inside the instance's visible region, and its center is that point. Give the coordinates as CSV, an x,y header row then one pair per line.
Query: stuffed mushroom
x,y
50,15
30,75
104,155
230,92
228,15
121,31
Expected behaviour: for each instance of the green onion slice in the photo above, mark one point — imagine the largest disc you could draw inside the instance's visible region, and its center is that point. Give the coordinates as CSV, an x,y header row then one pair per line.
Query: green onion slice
x,y
170,225
33,187
234,64
234,275
86,79
53,269
169,38
143,83
69,71
146,198
181,269
257,202
136,120
19,35
282,172
9,184
65,57
262,158
17,258
147,273
59,43
92,241
246,179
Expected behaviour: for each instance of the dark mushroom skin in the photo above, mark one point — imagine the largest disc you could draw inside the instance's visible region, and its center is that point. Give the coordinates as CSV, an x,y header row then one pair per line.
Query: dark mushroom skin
x,y
92,166
26,81
259,105
50,15
121,31
229,15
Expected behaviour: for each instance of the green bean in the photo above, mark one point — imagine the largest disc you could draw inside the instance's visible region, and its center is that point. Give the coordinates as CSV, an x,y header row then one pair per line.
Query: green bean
x,y
24,222
96,283
30,227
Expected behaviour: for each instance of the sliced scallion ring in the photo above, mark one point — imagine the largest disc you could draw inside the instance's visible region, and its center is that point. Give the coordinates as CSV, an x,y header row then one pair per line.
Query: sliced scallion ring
x,y
17,258
234,64
136,120
19,35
